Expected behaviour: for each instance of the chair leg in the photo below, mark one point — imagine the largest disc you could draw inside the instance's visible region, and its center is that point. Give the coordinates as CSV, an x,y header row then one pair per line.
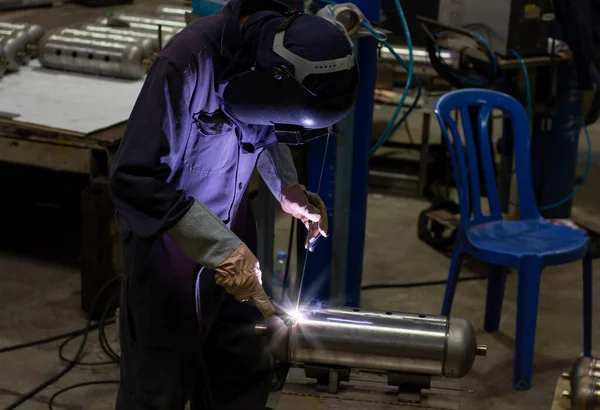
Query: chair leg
x,y
495,296
527,308
587,305
453,274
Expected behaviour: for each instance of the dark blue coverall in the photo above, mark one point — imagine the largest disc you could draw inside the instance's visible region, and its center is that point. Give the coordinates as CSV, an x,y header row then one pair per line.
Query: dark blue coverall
x,y
181,151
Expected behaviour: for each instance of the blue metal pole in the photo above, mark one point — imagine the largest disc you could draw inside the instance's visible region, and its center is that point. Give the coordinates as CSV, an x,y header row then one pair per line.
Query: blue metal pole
x,y
363,131
318,272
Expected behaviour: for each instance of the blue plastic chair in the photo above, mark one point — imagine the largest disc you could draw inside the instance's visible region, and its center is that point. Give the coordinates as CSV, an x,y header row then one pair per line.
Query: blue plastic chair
x,y
528,245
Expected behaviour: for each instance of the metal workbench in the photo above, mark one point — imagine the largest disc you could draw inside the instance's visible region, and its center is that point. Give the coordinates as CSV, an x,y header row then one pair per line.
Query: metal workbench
x,y
56,148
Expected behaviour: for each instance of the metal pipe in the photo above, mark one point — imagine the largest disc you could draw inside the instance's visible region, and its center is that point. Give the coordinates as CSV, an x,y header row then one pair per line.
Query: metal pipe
x,y
143,19
172,12
365,339
107,58
34,32
21,41
148,46
13,52
586,394
154,35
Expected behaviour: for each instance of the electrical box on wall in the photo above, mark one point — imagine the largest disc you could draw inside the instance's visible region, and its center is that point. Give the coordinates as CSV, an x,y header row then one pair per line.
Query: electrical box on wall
x,y
520,25
209,7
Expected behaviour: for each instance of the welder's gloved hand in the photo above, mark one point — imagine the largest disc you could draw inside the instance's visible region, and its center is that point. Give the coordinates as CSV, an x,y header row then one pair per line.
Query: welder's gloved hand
x,y
240,275
307,207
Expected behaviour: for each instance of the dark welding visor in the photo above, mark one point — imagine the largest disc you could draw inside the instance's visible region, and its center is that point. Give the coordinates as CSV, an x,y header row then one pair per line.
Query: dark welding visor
x,y
276,96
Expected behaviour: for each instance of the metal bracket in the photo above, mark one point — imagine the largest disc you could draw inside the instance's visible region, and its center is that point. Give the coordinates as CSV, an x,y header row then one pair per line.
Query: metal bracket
x,y
410,386
328,377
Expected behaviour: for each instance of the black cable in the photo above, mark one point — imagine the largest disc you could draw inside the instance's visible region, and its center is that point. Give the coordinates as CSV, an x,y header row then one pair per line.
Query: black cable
x,y
419,284
48,340
75,386
76,359
104,344
80,363
286,275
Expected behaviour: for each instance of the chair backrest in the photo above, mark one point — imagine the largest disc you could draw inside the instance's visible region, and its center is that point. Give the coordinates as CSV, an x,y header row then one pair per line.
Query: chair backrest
x,y
465,157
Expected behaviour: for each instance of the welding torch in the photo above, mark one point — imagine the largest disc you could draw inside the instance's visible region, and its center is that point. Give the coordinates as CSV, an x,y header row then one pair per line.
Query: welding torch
x,y
285,317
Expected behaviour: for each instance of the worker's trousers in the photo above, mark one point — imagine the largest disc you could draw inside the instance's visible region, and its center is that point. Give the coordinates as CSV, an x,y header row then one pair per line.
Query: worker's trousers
x,y
184,339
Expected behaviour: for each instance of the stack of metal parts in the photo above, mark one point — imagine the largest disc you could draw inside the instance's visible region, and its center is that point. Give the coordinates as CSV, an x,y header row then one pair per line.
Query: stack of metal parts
x,y
585,384
123,45
18,44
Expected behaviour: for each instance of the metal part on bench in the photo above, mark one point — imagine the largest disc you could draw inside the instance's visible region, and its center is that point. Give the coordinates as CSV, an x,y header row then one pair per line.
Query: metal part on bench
x,y
144,19
97,28
34,32
93,56
172,12
20,42
385,341
12,53
148,46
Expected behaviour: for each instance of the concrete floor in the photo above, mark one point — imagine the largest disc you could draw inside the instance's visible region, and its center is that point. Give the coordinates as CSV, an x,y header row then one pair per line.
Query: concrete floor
x,y
39,297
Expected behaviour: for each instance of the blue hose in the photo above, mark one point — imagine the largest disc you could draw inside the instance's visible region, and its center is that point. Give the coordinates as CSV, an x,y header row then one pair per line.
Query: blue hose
x,y
406,67
409,68
388,130
527,84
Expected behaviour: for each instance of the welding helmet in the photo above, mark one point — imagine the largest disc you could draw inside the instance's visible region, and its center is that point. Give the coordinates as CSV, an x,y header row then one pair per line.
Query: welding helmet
x,y
302,97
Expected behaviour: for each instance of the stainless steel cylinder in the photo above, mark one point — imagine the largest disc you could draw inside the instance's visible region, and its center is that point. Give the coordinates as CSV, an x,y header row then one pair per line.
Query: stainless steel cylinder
x,y
97,28
148,46
85,55
388,341
142,19
150,28
583,366
34,32
172,12
586,394
21,41
13,52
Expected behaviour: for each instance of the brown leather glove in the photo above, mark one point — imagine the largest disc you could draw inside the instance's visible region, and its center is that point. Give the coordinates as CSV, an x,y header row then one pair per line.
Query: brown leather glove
x,y
240,275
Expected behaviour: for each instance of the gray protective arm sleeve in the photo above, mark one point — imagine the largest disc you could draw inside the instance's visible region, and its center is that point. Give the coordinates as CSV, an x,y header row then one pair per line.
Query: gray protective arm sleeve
x,y
276,167
202,236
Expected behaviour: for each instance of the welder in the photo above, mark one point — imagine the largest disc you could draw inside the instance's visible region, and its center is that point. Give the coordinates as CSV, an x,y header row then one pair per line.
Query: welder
x,y
225,96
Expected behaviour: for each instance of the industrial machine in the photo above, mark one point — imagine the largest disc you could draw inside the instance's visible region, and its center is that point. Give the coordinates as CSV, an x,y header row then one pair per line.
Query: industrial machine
x,y
409,348
521,25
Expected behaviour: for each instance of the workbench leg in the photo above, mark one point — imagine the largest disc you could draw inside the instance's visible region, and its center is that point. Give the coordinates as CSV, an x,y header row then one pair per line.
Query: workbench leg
x,y
100,245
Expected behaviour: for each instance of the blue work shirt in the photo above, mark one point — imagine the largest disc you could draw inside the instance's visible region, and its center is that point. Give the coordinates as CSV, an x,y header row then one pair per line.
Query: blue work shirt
x,y
182,158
